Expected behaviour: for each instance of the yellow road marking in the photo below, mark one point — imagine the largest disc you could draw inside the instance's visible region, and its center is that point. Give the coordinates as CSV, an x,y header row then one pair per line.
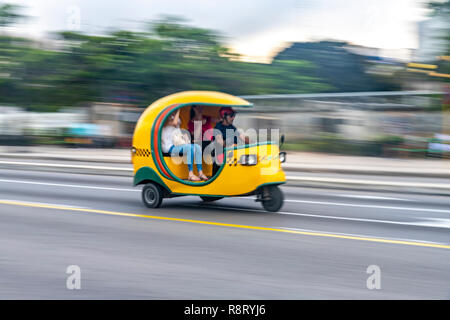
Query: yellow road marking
x,y
318,234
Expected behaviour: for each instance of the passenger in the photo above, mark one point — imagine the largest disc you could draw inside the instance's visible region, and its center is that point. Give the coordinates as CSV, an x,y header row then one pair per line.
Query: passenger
x,y
175,142
200,126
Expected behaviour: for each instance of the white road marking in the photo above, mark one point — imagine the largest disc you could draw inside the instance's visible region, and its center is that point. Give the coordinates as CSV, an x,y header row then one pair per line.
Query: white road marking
x,y
439,223
442,223
360,205
291,230
68,185
419,223
435,222
358,196
58,165
372,182
45,203
359,235
289,177
369,206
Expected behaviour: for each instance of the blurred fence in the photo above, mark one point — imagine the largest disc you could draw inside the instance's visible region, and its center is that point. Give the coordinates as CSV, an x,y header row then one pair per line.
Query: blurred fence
x,y
402,123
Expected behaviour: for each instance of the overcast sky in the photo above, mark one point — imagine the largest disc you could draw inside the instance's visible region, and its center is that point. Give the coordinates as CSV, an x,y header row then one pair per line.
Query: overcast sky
x,y
254,28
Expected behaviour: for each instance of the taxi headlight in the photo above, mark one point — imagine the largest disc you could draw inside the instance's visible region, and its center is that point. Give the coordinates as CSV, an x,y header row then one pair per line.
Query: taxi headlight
x,y
248,160
282,157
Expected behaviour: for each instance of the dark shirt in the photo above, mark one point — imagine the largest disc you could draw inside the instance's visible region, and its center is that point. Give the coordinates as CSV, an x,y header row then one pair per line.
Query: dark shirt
x,y
228,139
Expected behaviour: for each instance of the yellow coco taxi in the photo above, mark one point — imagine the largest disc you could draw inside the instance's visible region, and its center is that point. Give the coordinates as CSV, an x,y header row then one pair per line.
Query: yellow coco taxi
x,y
251,169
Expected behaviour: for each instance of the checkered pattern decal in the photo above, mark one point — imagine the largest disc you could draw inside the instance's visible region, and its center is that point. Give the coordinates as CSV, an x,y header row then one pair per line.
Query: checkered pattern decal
x,y
232,161
143,152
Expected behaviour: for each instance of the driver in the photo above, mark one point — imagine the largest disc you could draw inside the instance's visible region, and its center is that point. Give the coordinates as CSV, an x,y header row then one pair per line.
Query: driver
x,y
226,134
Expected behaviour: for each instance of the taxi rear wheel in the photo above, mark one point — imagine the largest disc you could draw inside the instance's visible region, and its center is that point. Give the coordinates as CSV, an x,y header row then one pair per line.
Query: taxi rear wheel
x,y
152,195
272,198
210,199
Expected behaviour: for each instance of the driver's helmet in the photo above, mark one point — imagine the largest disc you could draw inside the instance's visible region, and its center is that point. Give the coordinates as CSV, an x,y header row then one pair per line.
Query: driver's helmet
x,y
226,111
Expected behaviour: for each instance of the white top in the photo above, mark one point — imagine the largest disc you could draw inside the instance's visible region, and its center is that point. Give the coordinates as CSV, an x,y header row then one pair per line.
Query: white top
x,y
167,137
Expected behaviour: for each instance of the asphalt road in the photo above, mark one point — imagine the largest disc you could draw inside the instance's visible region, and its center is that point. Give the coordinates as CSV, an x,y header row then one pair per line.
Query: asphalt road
x,y
318,246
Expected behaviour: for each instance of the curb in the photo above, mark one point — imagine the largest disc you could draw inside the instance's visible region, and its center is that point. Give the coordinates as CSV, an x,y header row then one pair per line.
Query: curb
x,y
370,185
63,157
361,170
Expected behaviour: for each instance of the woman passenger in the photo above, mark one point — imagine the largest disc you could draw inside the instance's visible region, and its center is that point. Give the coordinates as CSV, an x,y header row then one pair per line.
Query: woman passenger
x,y
174,142
198,125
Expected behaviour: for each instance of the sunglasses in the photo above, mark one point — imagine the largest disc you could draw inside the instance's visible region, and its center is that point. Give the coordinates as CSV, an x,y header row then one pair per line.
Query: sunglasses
x,y
232,114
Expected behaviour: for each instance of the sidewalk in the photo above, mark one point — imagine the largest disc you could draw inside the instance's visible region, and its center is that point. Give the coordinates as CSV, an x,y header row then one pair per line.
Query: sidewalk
x,y
296,161
66,154
319,162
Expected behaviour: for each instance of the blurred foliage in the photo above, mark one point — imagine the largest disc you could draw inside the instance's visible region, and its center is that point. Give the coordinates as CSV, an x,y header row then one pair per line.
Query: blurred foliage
x,y
139,67
134,67
343,70
389,139
440,7
9,14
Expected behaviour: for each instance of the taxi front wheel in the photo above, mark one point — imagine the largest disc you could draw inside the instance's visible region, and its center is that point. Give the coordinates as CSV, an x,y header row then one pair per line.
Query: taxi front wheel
x,y
152,195
272,198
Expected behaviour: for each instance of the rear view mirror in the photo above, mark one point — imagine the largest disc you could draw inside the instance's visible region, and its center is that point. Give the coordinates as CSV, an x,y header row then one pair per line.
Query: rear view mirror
x,y
281,140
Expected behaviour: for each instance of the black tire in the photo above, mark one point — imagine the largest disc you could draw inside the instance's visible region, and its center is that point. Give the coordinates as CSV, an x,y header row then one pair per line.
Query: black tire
x,y
152,195
275,201
210,199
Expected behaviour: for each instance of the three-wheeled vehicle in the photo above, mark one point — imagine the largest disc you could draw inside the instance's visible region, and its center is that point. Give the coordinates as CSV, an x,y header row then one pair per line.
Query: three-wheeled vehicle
x,y
250,169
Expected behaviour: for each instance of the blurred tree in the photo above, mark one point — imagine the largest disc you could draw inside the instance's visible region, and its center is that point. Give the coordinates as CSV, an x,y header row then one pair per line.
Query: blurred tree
x,y
343,70
138,67
440,7
171,57
9,47
9,14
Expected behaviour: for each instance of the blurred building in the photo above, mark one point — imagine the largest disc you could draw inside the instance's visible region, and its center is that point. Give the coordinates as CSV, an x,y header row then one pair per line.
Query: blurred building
x,y
432,36
119,120
18,127
99,125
